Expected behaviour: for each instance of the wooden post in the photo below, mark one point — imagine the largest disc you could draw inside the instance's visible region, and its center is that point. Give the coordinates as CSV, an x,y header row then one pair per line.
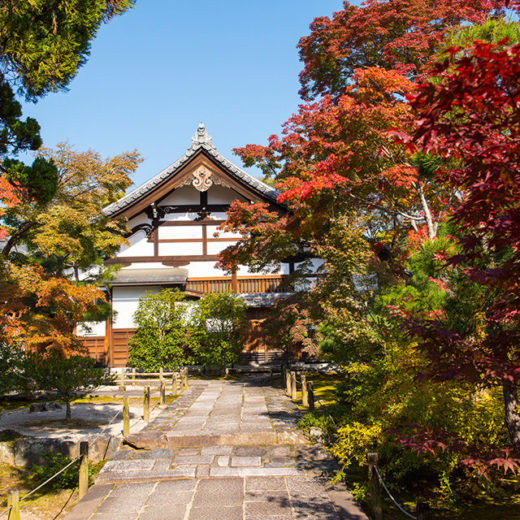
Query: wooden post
x,y
146,405
122,386
422,511
161,374
294,388
126,417
83,469
310,391
175,385
376,499
305,393
185,378
162,393
133,376
13,501
287,382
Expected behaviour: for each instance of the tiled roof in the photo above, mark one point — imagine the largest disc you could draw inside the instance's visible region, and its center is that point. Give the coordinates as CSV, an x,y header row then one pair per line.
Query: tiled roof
x,y
201,140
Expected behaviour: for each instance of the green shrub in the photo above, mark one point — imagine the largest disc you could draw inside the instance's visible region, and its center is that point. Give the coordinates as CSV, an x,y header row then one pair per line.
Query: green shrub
x,y
172,332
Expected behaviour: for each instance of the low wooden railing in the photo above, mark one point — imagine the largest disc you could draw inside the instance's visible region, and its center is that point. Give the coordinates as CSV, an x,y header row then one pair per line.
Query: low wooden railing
x,y
250,284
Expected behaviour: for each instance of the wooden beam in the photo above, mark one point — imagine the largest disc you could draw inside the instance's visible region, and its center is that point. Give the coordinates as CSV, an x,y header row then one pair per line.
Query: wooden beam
x,y
173,258
204,239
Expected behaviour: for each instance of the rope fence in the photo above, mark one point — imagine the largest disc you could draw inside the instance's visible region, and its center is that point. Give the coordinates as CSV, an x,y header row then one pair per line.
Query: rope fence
x,y
376,482
179,385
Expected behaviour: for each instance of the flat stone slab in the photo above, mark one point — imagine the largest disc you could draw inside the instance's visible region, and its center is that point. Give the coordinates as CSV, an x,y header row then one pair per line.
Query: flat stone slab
x,y
223,498
221,451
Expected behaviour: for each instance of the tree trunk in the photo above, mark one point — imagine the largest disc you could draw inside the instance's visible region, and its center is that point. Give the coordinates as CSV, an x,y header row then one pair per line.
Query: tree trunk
x,y
68,413
512,416
430,225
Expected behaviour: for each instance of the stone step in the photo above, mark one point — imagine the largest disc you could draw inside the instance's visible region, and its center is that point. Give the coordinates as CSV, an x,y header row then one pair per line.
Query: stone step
x,y
109,477
150,439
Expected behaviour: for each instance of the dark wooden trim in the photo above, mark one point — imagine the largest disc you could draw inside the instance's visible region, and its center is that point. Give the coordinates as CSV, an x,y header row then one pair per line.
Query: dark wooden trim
x,y
172,182
208,222
193,208
204,239
156,242
169,258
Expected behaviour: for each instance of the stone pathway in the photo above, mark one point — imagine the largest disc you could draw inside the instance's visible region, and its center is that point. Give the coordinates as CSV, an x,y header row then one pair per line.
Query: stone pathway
x,y
221,451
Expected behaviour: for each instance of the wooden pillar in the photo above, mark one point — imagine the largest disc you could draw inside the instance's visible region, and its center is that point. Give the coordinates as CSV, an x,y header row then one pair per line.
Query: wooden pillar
x,y
376,498
234,281
111,332
294,388
83,469
126,417
13,501
162,392
305,393
310,391
287,382
146,405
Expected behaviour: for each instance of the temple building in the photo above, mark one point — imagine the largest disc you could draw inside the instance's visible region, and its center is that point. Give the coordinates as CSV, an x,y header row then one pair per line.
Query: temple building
x,y
173,218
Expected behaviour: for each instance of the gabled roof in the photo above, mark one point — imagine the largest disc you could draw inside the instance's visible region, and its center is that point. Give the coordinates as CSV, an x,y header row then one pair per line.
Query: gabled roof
x,y
200,141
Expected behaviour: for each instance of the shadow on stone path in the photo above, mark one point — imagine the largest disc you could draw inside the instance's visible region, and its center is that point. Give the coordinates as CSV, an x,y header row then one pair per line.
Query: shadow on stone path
x,y
223,450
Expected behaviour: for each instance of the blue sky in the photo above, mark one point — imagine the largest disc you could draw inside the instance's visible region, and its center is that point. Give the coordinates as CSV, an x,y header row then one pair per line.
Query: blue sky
x,y
157,71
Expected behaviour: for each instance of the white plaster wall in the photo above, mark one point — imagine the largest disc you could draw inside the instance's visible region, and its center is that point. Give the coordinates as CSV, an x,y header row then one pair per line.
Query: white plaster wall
x,y
125,301
138,246
181,216
218,215
182,195
180,249
168,232
138,219
91,328
214,248
221,195
144,265
221,234
203,269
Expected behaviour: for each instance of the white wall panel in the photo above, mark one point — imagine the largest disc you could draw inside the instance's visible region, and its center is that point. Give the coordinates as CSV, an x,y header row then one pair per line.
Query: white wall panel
x,y
221,234
91,329
125,301
221,195
180,216
145,265
167,232
203,269
138,246
139,219
180,249
218,215
182,195
214,248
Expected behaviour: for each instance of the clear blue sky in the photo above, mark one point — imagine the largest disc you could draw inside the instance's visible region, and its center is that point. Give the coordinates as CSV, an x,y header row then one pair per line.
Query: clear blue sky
x,y
157,71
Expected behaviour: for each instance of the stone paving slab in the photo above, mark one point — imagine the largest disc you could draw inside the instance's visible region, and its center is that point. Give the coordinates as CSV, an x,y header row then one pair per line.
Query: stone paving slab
x,y
243,498
245,461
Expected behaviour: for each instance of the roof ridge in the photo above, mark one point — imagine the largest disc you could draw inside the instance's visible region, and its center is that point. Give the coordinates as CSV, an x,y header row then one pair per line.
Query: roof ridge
x,y
203,140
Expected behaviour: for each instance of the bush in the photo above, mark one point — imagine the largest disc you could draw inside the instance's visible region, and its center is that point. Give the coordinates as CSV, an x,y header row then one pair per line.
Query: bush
x,y
219,320
164,335
172,332
53,463
67,376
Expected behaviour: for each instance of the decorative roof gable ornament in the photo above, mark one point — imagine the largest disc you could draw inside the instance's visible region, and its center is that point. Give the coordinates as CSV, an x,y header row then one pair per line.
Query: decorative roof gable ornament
x,y
202,180
201,138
